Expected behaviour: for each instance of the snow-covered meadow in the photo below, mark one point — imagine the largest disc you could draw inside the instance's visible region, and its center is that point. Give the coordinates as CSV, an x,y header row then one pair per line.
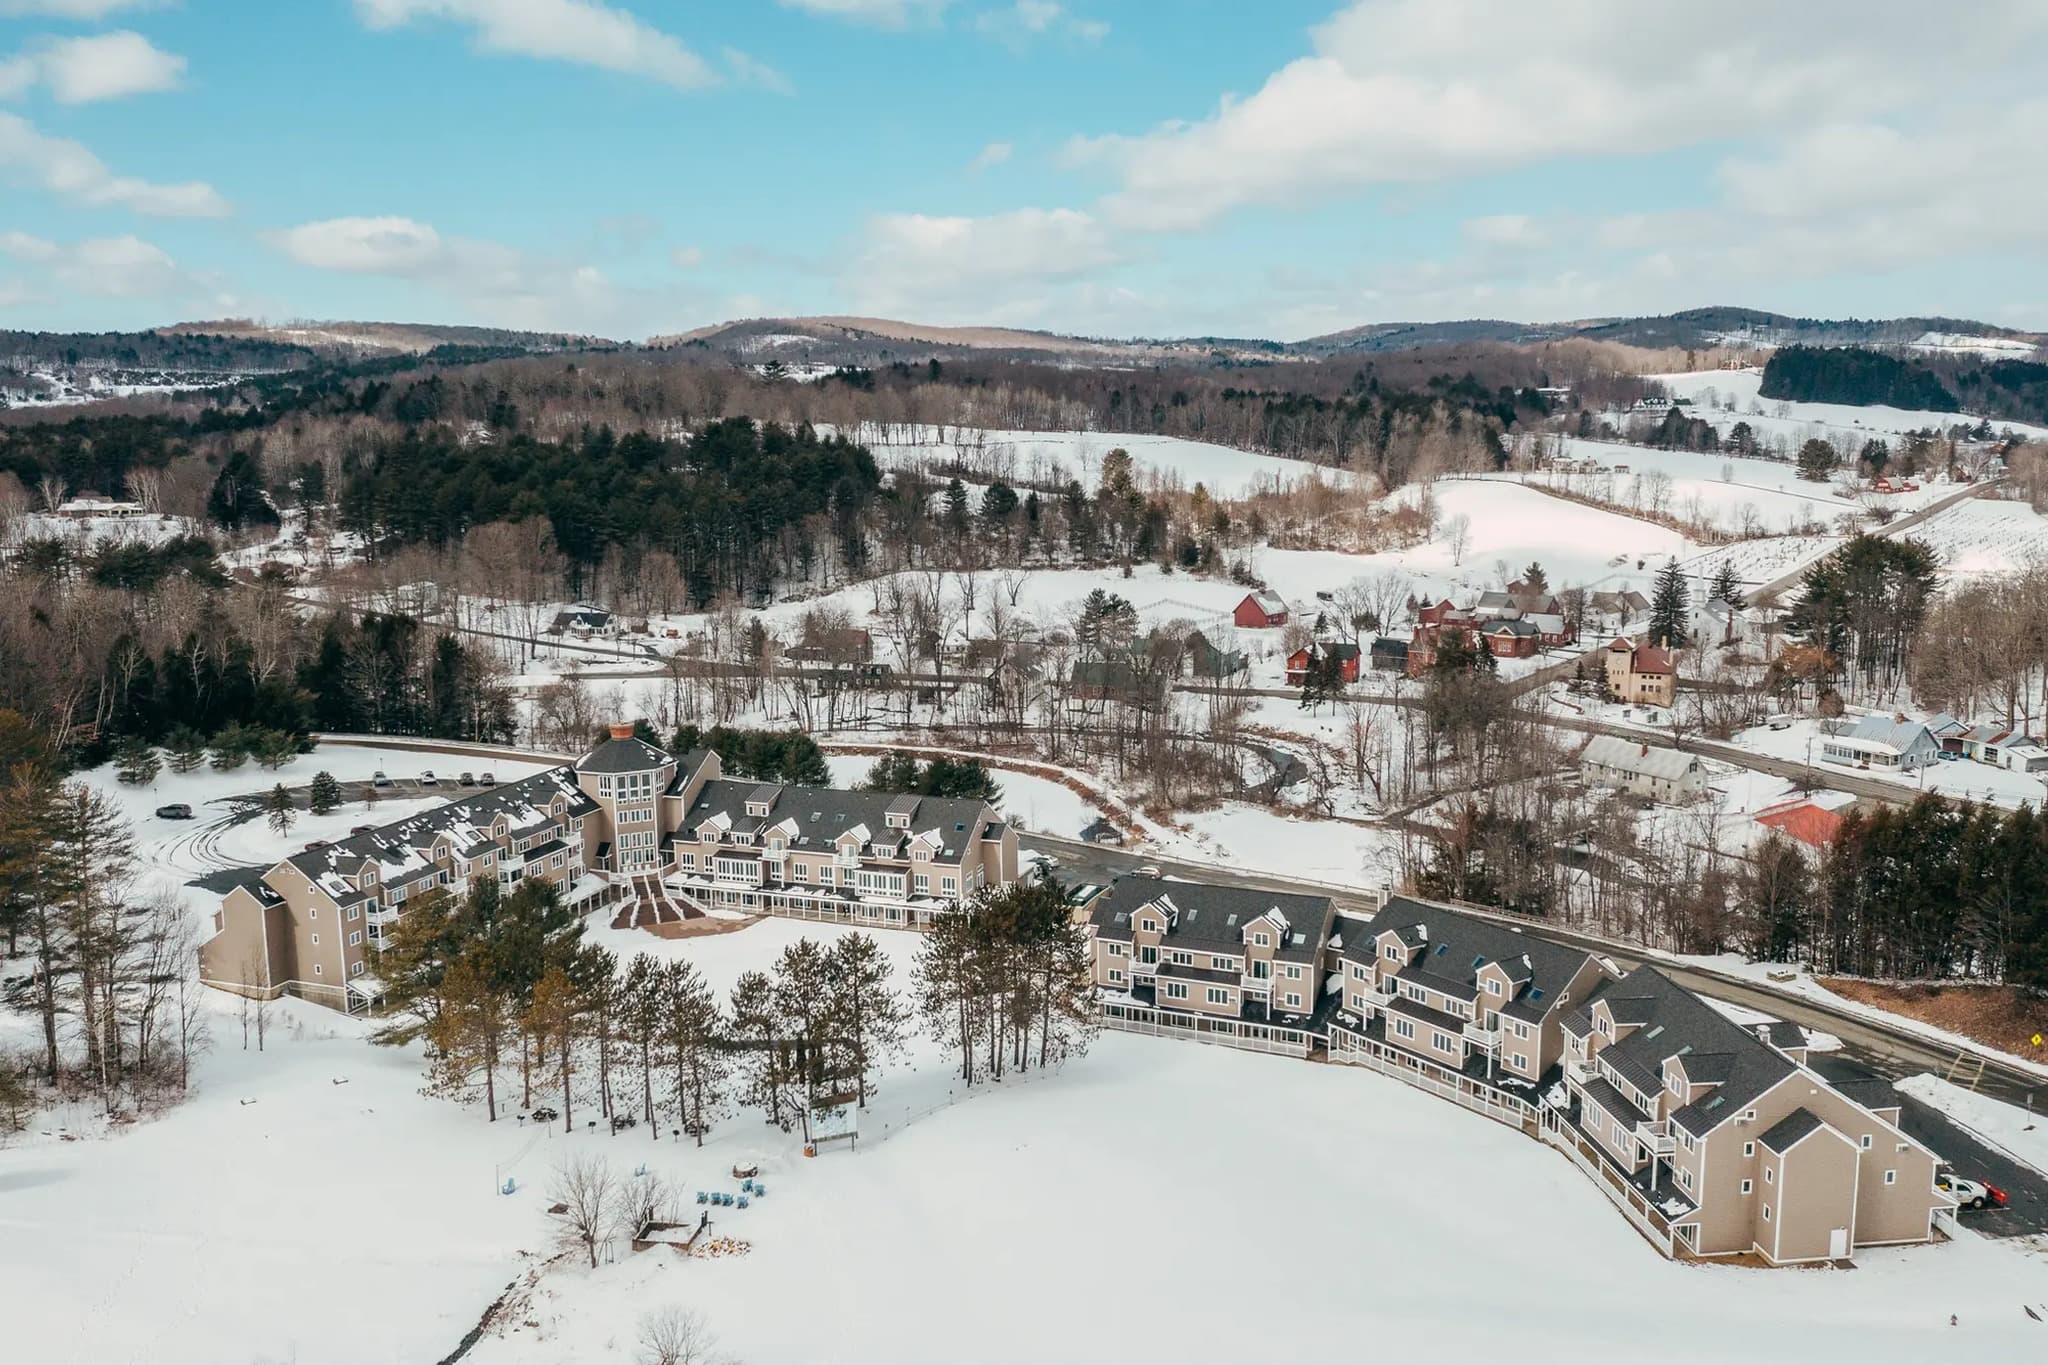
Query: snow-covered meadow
x,y
1725,397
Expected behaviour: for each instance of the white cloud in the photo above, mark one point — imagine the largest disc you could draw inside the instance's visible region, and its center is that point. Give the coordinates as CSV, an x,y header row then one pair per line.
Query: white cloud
x,y
970,268
994,154
371,246
584,32
1026,19
747,71
880,13
102,67
1504,229
113,267
69,169
86,10
1412,90
686,257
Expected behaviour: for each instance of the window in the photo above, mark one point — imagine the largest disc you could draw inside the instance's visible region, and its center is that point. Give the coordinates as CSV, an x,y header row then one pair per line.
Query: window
x,y
1221,964
1521,1062
1176,990
1891,1177
1440,1041
355,938
1218,996
1403,1029
1262,939
1389,954
1748,1185
356,970
952,884
1767,1213
1749,1149
319,970
316,940
1492,986
1749,1116
313,912
1767,1176
1115,975
1293,1000
355,912
1685,1177
1866,1142
1293,971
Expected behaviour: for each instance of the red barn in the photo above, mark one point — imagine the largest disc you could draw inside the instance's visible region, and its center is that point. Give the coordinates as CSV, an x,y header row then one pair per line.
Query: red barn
x,y
1260,610
1344,652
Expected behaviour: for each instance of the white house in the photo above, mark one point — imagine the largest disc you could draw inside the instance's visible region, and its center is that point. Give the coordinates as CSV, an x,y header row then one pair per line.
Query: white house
x,y
1644,769
1883,742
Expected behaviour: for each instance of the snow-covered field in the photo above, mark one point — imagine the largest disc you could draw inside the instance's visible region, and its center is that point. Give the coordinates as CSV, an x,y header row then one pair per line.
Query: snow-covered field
x,y
1712,390
145,529
1164,461
1964,778
1578,546
1981,537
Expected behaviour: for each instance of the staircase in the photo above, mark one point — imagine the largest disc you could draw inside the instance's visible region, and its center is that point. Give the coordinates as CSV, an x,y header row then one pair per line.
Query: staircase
x,y
651,905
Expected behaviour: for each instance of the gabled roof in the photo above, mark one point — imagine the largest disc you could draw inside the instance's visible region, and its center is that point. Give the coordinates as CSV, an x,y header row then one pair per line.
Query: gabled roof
x,y
1268,602
818,817
1788,1132
406,846
1810,824
1630,756
1675,1021
1213,918
1449,948
1890,731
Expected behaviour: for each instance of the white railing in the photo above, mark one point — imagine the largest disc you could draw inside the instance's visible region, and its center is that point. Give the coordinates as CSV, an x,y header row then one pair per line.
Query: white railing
x,y
1348,1048
1657,1136
1485,1037
1633,1203
1247,1043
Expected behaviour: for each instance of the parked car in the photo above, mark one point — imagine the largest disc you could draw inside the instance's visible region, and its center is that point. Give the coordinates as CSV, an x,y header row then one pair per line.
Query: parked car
x,y
378,779
427,779
177,810
313,844
1150,870
362,829
1781,721
1970,1194
486,780
621,1122
466,780
1948,755
545,1114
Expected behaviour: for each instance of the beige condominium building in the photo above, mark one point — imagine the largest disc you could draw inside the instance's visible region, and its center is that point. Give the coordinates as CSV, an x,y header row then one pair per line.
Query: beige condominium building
x,y
627,819
1742,1145
1223,964
1467,994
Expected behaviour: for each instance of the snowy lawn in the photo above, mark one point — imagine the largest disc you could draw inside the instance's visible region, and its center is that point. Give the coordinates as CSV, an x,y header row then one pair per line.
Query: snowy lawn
x,y
1099,1214
1982,537
1165,461
1710,389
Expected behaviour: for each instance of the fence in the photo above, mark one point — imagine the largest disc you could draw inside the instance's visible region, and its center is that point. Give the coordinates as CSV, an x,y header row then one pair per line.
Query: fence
x,y
1129,1019
1353,1050
1633,1203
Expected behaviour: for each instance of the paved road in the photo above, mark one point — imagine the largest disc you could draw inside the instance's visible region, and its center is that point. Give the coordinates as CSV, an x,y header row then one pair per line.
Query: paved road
x,y
1788,581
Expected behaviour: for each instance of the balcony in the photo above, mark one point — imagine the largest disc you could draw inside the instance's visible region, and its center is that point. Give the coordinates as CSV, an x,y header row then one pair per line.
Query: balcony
x,y
380,915
1656,1135
1481,1036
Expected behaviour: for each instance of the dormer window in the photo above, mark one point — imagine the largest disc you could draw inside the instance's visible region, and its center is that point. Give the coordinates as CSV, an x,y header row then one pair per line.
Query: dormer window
x,y
1262,939
1492,987
896,820
1149,925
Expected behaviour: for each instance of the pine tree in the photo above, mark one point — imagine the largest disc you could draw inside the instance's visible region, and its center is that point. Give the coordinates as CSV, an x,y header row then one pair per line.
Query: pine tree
x,y
187,748
467,1036
325,794
764,1070
554,1021
230,747
1667,606
1535,579
641,1011
864,1012
136,762
1817,460
803,1008
1727,587
275,748
279,806
693,1046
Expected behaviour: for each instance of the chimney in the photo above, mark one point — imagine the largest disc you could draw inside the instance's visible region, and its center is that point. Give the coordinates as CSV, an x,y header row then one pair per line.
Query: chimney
x,y
622,729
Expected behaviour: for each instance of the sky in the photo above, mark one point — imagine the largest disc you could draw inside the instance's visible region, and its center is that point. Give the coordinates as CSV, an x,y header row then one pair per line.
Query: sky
x,y
1272,168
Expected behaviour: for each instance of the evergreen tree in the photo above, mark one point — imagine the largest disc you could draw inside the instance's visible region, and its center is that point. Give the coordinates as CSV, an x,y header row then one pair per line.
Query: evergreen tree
x,y
864,1012
641,1012
186,747
1727,587
998,501
1668,600
238,499
763,1067
467,1035
554,1022
278,805
274,748
1817,460
692,1046
1535,579
136,762
325,793
230,747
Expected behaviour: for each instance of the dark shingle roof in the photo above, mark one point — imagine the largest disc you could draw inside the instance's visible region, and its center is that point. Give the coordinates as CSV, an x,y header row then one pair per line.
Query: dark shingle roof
x,y
1673,1021
1781,1136
1452,947
623,756
399,847
1604,1094
1872,1092
1216,915
821,815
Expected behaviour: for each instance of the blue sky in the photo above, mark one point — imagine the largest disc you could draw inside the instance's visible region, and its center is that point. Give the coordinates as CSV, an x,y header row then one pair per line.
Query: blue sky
x,y
1109,167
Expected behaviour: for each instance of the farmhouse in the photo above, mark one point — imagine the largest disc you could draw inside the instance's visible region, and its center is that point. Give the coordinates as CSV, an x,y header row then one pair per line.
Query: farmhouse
x,y
1301,660
1205,659
1807,821
583,621
628,820
1640,675
1261,610
1644,769
1882,741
